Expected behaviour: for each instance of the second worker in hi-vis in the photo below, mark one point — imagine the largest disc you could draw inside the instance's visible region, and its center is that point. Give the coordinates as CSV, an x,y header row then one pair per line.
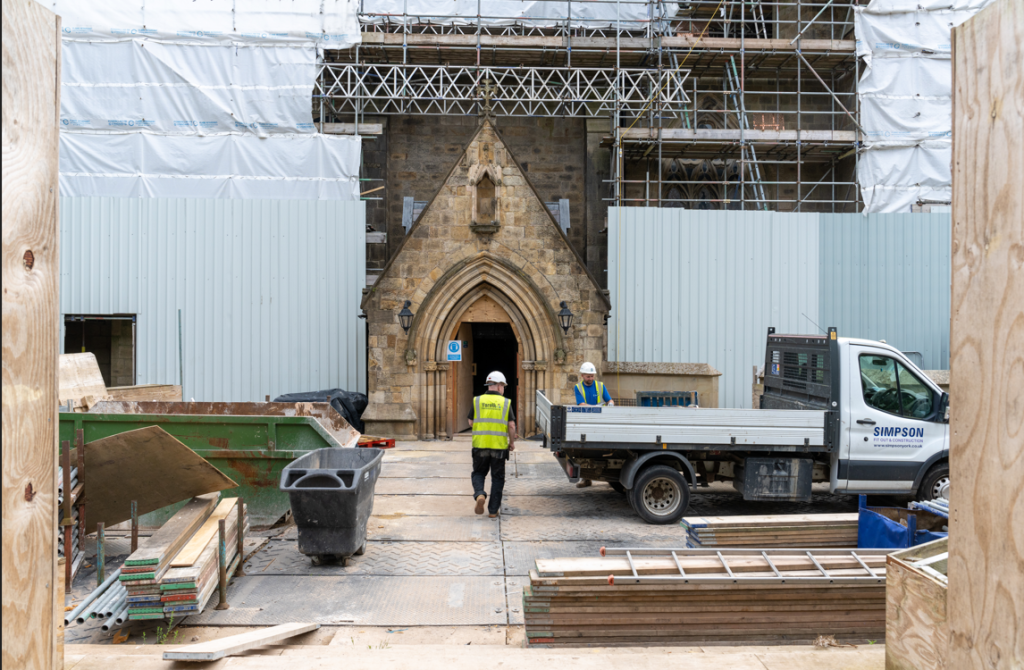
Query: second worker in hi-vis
x,y
494,436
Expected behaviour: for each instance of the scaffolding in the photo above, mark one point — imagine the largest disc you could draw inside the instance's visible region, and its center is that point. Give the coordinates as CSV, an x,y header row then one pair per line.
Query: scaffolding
x,y
710,104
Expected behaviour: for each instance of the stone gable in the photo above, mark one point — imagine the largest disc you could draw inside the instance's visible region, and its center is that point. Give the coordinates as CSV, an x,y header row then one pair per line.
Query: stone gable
x,y
451,258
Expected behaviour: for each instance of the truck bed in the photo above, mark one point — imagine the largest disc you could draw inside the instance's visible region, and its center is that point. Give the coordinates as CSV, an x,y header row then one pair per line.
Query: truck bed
x,y
666,427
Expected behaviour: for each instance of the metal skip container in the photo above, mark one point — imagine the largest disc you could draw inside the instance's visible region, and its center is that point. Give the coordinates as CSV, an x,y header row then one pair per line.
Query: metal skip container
x,y
331,494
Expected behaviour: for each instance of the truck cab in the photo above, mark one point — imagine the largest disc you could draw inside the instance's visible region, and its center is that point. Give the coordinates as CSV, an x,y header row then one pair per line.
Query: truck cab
x,y
857,414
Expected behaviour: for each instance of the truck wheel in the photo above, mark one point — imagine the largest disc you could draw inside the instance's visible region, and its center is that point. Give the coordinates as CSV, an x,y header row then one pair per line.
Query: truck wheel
x,y
660,494
618,486
935,483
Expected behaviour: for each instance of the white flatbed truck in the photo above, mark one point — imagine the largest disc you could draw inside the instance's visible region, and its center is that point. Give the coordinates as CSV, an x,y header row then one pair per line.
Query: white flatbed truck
x,y
855,413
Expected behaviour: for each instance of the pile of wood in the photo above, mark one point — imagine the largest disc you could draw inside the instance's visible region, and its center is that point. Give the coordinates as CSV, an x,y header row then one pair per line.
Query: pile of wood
x,y
599,602
780,530
177,568
194,575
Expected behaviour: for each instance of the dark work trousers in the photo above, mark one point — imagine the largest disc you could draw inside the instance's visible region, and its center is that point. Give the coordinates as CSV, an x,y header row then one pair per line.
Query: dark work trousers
x,y
492,460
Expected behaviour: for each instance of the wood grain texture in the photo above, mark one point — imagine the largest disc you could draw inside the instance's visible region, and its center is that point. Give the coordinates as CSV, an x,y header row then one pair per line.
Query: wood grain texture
x,y
31,270
146,393
986,544
190,553
916,624
80,377
236,644
147,465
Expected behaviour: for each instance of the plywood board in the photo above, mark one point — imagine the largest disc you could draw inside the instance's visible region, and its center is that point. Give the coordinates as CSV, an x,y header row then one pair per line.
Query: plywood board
x,y
916,623
80,377
31,271
236,644
191,551
146,393
146,465
986,545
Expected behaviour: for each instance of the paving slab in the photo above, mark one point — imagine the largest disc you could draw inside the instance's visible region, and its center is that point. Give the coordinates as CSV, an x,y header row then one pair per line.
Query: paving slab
x,y
433,529
414,486
423,505
386,558
462,454
604,503
625,531
365,600
459,470
514,593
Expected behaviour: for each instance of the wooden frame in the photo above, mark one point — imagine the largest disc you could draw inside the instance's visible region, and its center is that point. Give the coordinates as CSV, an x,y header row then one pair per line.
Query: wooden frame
x,y
986,553
32,632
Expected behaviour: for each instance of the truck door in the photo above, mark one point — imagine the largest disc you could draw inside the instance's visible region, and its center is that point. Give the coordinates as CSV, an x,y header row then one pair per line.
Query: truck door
x,y
895,423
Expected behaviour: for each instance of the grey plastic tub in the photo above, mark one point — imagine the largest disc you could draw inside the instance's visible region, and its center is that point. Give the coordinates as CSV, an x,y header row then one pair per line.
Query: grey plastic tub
x,y
331,494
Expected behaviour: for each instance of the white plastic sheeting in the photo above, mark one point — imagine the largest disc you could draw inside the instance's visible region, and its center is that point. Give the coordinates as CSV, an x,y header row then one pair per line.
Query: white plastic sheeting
x,y
905,100
323,23
626,15
144,165
186,89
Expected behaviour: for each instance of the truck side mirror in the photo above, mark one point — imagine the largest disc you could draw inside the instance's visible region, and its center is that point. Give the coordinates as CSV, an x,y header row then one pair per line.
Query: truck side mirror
x,y
944,406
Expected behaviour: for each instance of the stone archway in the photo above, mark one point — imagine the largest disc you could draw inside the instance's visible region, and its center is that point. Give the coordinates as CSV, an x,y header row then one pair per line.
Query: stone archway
x,y
532,320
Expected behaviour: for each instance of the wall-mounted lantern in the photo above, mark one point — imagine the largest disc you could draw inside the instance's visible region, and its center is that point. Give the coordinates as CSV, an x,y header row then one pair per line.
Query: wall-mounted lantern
x,y
565,318
405,316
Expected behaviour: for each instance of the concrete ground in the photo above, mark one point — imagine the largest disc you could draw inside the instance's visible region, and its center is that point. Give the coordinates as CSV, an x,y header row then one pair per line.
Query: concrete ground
x,y
439,584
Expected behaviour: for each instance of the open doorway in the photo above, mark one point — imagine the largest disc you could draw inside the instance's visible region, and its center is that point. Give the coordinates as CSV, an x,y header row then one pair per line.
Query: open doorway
x,y
489,343
110,338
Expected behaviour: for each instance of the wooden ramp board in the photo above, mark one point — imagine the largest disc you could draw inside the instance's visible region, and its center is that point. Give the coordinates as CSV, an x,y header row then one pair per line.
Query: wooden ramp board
x,y
80,376
147,465
166,542
146,393
190,552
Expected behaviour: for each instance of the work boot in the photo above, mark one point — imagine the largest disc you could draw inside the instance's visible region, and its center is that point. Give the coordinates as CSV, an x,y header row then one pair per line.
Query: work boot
x,y
583,483
480,500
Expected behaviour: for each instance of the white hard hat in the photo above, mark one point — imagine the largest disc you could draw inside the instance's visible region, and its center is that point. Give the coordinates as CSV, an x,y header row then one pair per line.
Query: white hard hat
x,y
496,378
588,368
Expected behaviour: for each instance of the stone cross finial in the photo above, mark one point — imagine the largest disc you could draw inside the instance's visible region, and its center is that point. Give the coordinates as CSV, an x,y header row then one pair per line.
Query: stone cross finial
x,y
487,92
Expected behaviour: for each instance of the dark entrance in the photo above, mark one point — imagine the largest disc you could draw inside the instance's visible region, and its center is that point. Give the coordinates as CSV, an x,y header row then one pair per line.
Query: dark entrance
x,y
495,348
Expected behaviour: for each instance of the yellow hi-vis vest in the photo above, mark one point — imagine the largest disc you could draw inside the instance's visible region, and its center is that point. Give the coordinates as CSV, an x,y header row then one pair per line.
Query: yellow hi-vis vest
x,y
600,392
490,422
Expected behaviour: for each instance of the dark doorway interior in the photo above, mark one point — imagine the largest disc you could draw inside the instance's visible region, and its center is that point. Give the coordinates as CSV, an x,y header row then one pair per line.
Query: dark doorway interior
x,y
110,339
495,348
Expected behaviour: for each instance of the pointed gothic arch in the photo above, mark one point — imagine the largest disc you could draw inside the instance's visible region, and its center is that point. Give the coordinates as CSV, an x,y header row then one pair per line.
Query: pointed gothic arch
x,y
531,315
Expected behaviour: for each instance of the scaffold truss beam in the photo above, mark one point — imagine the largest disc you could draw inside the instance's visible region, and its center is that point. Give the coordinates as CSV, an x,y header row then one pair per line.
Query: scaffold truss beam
x,y
510,91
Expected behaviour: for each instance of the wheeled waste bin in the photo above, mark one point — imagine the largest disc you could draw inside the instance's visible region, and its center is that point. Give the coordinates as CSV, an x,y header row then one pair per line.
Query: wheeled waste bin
x,y
331,493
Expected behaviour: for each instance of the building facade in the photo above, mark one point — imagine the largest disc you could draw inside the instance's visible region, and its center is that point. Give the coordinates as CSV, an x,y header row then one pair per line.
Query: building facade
x,y
486,265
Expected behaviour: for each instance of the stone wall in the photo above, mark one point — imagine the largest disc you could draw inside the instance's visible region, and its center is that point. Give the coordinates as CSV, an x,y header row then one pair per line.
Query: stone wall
x,y
421,150
445,265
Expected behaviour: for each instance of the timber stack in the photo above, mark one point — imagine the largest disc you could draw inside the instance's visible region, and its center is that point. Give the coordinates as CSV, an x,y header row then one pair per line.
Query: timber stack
x,y
641,597
781,530
176,571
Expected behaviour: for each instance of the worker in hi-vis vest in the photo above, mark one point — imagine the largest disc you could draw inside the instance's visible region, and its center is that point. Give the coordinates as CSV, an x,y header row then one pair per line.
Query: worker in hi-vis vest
x,y
591,392
494,436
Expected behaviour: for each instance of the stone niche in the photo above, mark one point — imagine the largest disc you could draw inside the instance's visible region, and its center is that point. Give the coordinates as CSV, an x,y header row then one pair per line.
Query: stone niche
x,y
484,244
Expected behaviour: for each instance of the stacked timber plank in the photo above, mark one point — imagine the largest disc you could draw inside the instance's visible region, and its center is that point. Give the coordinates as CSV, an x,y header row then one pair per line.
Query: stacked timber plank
x,y
599,602
780,530
143,570
194,575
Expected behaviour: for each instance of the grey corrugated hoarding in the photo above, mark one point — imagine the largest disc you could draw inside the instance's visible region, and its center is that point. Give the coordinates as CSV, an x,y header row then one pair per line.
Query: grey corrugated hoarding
x,y
269,289
693,286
